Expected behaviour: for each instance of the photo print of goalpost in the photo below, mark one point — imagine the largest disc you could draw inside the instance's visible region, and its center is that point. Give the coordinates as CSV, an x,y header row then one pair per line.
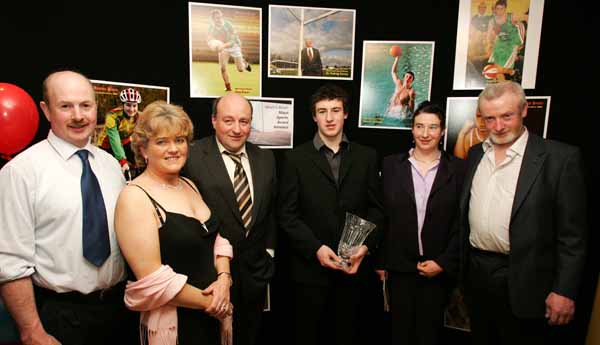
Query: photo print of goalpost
x,y
315,43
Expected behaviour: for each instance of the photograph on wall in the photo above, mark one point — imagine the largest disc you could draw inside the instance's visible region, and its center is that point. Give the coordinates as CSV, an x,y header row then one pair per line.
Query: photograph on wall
x,y
396,77
119,105
309,42
272,123
497,40
466,128
225,50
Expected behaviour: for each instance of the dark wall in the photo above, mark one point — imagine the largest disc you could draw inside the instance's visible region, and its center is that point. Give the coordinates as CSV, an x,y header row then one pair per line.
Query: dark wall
x,y
146,42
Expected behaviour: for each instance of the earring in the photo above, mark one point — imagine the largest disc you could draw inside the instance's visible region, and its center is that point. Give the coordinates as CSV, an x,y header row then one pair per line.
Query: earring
x,y
146,160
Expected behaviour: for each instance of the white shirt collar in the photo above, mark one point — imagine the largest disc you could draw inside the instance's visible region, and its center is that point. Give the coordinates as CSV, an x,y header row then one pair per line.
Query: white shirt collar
x,y
222,148
66,149
518,147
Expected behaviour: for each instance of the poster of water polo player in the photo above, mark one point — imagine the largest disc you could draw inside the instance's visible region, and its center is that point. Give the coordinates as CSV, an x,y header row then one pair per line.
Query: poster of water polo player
x,y
497,40
225,50
308,42
396,77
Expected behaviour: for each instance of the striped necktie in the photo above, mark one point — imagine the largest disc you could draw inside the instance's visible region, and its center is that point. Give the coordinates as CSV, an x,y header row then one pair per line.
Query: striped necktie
x,y
241,187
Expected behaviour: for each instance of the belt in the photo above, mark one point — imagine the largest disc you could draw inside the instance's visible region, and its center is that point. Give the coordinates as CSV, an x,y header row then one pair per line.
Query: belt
x,y
111,294
487,253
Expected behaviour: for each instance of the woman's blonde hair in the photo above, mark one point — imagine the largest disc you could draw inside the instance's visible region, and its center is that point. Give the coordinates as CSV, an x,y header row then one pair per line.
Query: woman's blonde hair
x,y
159,117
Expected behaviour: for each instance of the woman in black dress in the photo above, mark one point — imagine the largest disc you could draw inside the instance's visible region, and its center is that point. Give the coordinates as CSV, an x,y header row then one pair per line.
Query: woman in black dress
x,y
167,233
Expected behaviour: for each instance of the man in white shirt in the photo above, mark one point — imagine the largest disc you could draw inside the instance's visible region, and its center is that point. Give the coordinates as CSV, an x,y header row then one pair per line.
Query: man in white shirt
x,y
54,293
523,228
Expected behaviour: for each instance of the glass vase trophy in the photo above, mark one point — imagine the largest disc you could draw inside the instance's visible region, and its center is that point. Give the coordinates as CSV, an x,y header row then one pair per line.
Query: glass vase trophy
x,y
355,232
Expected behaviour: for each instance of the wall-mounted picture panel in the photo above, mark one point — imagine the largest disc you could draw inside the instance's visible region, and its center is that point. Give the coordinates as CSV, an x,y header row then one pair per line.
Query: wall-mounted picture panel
x,y
497,41
396,77
309,42
225,50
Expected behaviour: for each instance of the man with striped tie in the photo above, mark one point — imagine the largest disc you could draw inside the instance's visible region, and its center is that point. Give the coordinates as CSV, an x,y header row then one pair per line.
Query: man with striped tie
x,y
237,180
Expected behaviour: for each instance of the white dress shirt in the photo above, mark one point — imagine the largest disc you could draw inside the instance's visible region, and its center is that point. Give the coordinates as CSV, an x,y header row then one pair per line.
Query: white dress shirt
x,y
230,165
492,195
41,217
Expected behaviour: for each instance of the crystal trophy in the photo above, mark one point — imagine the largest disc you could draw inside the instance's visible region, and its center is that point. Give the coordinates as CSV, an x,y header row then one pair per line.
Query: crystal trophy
x,y
355,232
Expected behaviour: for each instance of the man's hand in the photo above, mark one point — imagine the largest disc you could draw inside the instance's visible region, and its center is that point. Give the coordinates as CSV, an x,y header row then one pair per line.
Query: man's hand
x,y
220,304
37,336
356,259
429,268
328,258
559,309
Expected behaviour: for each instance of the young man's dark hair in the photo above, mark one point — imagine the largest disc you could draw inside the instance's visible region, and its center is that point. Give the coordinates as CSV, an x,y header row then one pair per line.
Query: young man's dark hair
x,y
330,91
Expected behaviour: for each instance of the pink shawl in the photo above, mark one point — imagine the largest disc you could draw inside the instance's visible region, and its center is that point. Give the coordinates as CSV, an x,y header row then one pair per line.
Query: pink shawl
x,y
151,295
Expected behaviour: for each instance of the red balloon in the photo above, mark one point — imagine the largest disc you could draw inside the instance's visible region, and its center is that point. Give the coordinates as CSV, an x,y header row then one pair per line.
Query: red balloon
x,y
19,119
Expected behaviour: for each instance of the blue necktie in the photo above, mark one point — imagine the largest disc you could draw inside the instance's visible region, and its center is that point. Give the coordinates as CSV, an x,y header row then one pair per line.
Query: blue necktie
x,y
96,245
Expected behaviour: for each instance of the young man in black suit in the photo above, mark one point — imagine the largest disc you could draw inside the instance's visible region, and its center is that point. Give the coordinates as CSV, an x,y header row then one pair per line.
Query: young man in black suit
x,y
323,179
523,228
249,228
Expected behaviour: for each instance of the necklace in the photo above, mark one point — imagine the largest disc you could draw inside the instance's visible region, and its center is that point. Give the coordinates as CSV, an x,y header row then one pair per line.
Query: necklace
x,y
155,178
414,155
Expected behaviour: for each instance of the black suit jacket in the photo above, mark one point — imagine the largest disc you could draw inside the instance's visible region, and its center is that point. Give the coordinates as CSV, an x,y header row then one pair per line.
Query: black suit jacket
x,y
312,207
311,67
548,228
400,248
206,168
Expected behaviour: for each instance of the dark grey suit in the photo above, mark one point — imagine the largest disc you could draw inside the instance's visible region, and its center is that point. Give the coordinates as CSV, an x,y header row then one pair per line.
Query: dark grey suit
x,y
547,233
252,267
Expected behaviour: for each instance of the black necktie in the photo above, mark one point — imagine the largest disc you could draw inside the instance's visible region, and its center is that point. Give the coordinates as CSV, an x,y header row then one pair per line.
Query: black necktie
x,y
96,245
241,187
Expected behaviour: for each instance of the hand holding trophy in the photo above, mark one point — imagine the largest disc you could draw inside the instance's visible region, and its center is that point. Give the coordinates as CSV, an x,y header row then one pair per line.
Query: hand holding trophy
x,y
355,232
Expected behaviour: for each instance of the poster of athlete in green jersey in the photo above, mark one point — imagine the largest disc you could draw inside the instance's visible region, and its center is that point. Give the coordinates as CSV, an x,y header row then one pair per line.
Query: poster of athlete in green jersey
x,y
496,41
225,50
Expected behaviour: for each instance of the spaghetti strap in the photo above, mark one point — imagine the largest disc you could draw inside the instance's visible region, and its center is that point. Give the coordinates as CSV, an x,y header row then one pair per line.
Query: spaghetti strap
x,y
154,203
190,184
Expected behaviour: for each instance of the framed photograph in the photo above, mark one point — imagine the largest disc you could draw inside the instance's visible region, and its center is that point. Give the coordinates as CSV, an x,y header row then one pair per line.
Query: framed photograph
x,y
272,123
465,128
396,77
497,41
311,42
118,107
225,50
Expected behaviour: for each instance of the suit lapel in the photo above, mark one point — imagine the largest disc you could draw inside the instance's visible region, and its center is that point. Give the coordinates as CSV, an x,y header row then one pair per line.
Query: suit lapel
x,y
442,176
321,162
258,180
533,160
475,155
346,163
217,169
405,179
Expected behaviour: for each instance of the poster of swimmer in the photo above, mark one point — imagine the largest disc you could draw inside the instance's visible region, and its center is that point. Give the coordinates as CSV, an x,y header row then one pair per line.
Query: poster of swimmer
x,y
225,44
497,40
396,77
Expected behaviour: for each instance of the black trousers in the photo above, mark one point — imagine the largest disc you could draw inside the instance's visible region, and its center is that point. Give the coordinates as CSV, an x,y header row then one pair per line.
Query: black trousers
x,y
492,320
325,314
98,318
417,308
